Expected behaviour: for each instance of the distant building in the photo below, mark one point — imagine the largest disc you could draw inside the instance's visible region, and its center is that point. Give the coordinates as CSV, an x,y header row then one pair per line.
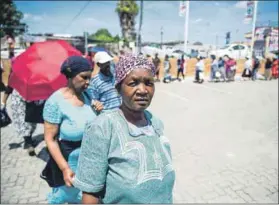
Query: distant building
x,y
266,40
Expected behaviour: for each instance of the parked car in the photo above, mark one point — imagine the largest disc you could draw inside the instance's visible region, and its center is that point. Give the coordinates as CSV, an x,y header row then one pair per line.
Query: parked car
x,y
5,52
236,51
179,53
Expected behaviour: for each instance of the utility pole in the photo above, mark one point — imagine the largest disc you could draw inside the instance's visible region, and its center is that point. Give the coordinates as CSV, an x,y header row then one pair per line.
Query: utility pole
x,y
140,25
162,33
186,25
216,44
254,27
85,43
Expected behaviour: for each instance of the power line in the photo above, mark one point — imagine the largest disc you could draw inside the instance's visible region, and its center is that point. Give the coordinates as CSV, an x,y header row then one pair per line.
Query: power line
x,y
77,15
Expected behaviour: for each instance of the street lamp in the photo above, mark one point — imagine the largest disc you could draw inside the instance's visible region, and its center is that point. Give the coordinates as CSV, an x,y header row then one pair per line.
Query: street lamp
x,y
162,32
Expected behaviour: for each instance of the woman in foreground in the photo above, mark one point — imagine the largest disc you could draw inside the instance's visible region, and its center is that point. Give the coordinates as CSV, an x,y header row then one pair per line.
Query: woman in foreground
x,y
66,113
125,158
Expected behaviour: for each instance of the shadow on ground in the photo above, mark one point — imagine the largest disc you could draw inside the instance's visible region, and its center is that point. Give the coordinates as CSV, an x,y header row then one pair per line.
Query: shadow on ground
x,y
36,141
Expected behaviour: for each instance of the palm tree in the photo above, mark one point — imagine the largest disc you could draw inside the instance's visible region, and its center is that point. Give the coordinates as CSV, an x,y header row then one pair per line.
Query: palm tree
x,y
127,11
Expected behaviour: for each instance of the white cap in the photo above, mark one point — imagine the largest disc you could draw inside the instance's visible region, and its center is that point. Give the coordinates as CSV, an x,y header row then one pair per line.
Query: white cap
x,y
102,57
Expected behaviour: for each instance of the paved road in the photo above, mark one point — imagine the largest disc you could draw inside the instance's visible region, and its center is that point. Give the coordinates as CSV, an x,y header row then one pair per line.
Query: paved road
x,y
224,139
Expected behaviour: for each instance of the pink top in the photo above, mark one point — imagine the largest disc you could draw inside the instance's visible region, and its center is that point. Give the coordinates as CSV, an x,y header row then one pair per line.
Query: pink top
x,y
230,63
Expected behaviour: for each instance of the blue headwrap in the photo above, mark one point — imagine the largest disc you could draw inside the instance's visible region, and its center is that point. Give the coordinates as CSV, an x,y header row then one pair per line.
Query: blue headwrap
x,y
74,65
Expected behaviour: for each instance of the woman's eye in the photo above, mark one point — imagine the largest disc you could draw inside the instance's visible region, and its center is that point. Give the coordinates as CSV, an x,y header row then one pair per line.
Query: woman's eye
x,y
132,83
149,83
85,77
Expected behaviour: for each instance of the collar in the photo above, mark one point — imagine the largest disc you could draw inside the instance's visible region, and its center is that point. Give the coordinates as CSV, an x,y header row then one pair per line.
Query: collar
x,y
135,132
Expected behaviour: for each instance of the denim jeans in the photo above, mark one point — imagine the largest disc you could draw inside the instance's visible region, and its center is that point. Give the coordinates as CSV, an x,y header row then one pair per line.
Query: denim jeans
x,y
254,74
212,74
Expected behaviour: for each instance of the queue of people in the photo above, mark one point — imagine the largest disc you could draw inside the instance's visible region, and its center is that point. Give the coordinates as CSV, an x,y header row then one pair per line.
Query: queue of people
x,y
223,69
104,146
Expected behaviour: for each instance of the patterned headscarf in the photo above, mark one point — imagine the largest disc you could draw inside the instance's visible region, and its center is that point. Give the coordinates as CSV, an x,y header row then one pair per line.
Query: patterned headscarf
x,y
129,62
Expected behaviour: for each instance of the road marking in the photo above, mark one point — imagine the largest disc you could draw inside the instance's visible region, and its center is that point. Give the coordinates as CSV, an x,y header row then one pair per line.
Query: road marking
x,y
214,89
174,95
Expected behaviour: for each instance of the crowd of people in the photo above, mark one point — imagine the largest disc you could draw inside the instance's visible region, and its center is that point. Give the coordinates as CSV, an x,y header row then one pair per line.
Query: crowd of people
x,y
221,69
104,146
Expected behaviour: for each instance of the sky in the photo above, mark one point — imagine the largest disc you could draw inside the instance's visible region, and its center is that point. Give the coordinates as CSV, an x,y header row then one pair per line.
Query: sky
x,y
208,20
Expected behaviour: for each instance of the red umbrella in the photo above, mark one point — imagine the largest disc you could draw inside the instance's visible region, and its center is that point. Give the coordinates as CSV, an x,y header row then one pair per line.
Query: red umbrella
x,y
36,72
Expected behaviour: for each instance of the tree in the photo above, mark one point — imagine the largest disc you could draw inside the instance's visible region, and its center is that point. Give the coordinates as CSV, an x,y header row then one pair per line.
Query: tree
x,y
127,11
10,19
103,35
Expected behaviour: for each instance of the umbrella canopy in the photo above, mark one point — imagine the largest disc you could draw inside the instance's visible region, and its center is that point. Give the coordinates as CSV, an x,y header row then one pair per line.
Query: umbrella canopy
x,y
36,72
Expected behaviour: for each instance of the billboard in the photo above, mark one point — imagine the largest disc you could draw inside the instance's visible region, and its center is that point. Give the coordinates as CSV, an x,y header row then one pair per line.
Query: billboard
x,y
273,40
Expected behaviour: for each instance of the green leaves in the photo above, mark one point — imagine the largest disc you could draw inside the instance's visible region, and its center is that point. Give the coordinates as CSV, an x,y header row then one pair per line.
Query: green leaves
x,y
103,35
128,6
10,19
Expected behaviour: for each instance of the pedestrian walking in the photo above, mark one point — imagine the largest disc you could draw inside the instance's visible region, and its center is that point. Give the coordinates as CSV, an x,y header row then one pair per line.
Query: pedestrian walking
x,y
2,86
167,67
125,157
101,89
247,72
213,67
23,128
230,65
11,45
199,70
221,66
275,68
268,66
65,113
256,65
181,66
156,62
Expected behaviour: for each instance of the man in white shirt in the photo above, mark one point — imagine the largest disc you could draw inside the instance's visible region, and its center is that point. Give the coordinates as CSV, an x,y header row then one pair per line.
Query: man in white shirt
x,y
199,70
247,72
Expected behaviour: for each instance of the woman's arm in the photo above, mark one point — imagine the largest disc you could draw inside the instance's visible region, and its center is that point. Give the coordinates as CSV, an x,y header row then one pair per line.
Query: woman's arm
x,y
88,198
50,133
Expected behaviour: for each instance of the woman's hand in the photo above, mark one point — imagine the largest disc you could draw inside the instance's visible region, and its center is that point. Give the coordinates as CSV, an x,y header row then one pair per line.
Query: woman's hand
x,y
68,175
98,106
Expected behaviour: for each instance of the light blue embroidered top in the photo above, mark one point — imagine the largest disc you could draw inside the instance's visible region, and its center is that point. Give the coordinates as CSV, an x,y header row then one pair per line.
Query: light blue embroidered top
x,y
131,165
72,119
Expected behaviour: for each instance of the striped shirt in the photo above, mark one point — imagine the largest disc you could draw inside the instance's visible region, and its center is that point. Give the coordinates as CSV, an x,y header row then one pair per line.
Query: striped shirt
x,y
101,88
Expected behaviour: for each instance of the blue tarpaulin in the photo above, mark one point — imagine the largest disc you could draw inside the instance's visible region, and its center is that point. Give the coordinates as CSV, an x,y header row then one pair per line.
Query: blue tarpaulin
x,y
96,49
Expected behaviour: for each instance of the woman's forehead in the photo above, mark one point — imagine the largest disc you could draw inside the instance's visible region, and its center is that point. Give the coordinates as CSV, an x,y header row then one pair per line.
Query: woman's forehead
x,y
139,73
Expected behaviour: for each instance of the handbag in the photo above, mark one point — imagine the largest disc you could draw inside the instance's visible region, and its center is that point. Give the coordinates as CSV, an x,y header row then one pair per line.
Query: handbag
x,y
34,111
5,119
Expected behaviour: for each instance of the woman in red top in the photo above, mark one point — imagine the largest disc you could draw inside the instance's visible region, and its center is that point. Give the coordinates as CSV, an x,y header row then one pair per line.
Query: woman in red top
x,y
274,68
230,65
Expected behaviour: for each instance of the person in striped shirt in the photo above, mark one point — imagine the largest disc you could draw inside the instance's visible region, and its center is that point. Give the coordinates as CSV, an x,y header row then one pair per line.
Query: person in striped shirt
x,y
101,88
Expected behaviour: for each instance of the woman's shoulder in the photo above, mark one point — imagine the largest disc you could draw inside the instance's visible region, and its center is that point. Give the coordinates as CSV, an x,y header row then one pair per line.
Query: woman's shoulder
x,y
104,123
107,118
56,96
154,120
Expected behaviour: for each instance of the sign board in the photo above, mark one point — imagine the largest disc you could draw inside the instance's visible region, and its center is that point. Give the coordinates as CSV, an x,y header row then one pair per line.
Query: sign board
x,y
273,40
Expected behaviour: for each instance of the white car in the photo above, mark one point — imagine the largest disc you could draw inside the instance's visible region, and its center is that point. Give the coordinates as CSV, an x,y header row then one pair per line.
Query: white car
x,y
5,52
236,51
